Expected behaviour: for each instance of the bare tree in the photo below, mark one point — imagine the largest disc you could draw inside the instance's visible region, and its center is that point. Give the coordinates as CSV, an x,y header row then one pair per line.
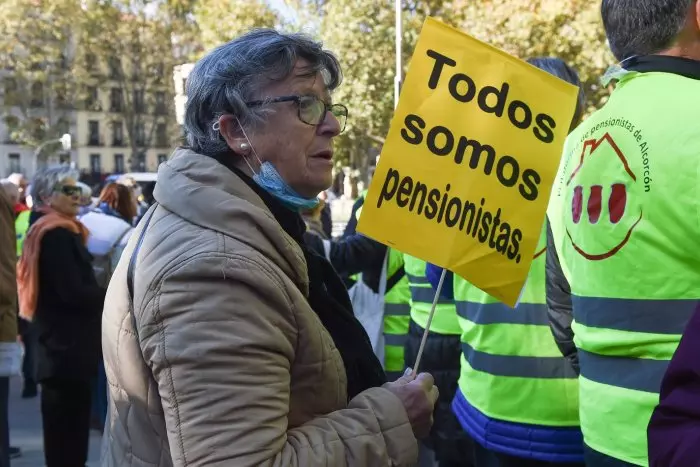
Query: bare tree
x,y
37,52
133,64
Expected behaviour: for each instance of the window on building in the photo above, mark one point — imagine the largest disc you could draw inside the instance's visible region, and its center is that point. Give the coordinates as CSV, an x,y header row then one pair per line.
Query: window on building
x,y
162,135
136,70
95,163
11,95
119,163
160,103
91,62
117,133
116,100
141,162
15,165
37,94
62,101
63,126
92,98
162,158
93,133
12,124
37,127
140,135
115,67
139,101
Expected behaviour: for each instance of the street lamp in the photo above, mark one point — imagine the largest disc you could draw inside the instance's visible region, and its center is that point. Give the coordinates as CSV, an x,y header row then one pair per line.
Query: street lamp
x,y
398,75
66,143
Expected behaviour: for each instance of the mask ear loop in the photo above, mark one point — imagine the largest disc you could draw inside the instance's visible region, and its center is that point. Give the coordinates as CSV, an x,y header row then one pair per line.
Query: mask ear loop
x,y
251,147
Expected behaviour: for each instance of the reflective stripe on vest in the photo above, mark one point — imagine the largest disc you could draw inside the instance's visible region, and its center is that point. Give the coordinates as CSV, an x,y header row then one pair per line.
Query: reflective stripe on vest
x,y
621,217
422,296
513,371
397,316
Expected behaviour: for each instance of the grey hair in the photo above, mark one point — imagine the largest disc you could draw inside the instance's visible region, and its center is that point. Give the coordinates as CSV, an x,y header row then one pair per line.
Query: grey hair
x,y
237,72
559,68
642,27
45,181
11,189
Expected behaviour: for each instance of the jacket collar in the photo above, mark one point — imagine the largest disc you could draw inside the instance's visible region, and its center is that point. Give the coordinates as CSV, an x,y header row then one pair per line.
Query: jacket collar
x,y
664,64
204,192
291,221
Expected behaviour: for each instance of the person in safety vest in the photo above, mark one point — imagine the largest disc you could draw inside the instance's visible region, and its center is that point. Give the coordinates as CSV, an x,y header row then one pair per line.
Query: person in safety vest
x,y
357,254
514,387
441,358
623,216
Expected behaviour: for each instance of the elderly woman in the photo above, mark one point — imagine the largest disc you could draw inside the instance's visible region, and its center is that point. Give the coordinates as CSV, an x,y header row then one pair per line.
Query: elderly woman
x,y
242,349
59,293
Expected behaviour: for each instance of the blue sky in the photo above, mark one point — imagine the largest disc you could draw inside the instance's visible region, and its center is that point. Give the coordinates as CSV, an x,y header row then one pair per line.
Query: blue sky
x,y
280,6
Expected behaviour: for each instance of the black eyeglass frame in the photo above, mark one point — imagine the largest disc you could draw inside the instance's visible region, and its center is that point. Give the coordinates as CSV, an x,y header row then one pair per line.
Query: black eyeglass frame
x,y
68,190
297,100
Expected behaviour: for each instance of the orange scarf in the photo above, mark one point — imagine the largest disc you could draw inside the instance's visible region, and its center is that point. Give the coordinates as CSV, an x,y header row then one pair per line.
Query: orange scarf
x,y
28,267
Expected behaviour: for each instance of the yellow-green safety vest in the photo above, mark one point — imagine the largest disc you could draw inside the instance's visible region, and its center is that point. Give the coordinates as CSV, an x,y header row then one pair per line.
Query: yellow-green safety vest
x,y
624,218
422,295
512,371
21,227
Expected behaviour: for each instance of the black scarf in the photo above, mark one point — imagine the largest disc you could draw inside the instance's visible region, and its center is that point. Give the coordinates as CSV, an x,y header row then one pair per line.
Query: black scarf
x,y
328,297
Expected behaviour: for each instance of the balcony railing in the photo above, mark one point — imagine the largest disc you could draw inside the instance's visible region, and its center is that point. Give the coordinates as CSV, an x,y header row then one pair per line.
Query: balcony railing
x,y
94,141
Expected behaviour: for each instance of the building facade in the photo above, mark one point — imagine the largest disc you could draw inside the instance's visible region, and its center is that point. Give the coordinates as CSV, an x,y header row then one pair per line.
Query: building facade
x,y
98,125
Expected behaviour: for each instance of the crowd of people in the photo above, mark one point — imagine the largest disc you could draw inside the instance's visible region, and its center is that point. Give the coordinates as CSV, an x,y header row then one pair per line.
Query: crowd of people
x,y
65,245
218,322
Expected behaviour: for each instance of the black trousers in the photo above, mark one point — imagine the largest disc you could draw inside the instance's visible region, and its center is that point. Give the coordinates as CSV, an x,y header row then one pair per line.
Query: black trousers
x,y
65,411
598,459
29,362
486,458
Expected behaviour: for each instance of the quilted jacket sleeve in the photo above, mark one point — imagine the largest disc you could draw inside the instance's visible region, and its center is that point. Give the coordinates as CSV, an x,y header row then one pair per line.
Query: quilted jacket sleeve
x,y
559,306
8,263
233,410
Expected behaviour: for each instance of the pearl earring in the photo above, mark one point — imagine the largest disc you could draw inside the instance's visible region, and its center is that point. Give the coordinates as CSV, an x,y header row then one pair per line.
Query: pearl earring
x,y
245,146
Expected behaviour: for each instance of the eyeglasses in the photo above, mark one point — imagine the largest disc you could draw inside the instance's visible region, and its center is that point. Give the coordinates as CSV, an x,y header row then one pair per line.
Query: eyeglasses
x,y
68,190
311,109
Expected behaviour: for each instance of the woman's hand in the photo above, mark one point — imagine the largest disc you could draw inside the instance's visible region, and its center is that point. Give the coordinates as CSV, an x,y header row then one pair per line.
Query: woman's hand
x,y
418,395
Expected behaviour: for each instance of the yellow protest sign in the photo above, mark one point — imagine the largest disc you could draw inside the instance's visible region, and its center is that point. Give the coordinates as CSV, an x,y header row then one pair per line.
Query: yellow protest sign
x,y
467,168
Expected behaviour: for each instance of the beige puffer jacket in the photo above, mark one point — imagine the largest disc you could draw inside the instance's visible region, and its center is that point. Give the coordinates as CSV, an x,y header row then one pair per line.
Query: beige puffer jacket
x,y
231,367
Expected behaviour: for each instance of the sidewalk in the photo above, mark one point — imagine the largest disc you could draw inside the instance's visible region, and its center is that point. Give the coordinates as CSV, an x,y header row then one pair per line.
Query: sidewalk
x,y
25,430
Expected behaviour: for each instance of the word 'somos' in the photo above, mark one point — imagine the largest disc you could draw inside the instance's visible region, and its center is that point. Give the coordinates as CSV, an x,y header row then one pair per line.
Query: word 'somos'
x,y
441,142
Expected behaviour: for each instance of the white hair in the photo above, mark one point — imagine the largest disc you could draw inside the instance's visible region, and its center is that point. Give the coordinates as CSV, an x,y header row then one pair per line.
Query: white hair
x,y
46,181
11,189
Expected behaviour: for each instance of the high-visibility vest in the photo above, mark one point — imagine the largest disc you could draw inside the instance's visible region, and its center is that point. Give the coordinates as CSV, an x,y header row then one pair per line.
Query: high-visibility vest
x,y
397,316
21,227
514,385
422,295
624,215
396,312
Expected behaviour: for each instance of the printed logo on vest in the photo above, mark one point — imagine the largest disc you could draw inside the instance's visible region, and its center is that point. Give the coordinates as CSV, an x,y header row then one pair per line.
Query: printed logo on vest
x,y
602,214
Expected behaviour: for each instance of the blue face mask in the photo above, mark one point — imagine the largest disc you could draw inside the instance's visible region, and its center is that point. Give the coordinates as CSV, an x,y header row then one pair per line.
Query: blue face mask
x,y
271,181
